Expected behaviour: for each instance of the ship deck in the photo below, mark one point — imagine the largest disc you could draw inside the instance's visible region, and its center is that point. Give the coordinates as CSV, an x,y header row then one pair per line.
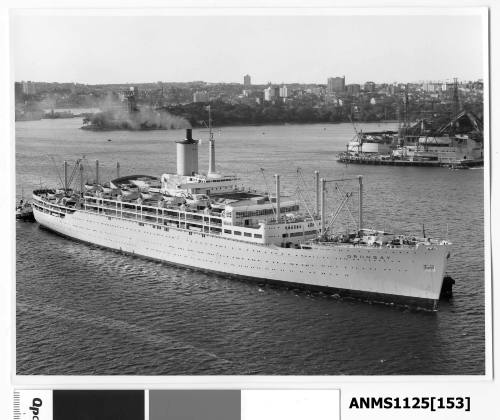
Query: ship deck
x,y
201,222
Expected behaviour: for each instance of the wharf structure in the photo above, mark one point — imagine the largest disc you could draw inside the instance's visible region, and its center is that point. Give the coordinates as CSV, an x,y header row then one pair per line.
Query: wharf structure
x,y
457,144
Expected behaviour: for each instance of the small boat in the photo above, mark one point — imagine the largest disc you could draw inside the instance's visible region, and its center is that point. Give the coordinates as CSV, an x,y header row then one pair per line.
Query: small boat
x,y
24,211
196,201
129,187
458,166
129,195
151,195
68,201
173,201
127,191
106,188
90,187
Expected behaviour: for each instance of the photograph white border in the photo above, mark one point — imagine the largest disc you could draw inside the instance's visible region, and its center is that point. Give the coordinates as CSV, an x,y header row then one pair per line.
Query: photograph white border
x,y
395,382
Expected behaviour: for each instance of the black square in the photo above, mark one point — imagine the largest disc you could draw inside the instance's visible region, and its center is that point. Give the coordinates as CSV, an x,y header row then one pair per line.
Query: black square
x,y
98,405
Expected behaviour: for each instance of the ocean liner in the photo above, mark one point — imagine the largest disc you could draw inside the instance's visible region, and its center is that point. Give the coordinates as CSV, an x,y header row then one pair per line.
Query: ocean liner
x,y
207,221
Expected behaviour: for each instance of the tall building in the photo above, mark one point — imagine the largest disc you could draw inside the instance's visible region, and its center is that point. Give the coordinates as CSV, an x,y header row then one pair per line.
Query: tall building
x,y
247,81
393,89
283,92
353,89
18,90
369,87
201,96
269,93
427,86
336,84
29,88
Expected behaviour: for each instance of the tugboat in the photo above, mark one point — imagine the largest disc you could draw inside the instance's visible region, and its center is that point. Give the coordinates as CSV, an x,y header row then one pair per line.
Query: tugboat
x,y
24,211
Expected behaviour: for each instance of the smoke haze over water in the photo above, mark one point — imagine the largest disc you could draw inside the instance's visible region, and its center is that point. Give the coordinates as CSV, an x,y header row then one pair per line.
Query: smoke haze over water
x,y
116,116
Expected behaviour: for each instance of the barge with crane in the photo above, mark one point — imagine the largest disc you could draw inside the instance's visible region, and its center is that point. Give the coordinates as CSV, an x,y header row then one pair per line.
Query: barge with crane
x,y
456,144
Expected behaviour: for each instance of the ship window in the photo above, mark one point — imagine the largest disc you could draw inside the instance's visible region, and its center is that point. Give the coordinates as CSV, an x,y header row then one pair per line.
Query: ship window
x,y
237,233
257,235
248,234
285,235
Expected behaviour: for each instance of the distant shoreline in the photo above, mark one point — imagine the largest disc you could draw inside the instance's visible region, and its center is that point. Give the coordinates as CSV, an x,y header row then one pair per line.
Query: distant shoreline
x,y
105,129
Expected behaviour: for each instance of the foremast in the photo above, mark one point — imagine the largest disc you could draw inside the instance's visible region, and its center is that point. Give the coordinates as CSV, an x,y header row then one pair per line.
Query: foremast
x,y
211,161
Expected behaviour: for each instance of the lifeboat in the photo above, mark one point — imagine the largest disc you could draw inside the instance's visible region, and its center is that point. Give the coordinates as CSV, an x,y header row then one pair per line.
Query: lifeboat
x,y
90,187
150,195
106,188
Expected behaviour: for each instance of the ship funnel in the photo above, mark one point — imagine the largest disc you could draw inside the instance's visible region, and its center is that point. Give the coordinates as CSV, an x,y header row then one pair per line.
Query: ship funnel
x,y
187,155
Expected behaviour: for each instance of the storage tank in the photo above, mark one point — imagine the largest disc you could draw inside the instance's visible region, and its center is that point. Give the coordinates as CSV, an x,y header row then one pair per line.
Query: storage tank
x,y
187,155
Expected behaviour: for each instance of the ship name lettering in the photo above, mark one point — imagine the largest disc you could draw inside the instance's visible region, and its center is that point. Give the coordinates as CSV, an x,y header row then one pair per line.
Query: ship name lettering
x,y
372,257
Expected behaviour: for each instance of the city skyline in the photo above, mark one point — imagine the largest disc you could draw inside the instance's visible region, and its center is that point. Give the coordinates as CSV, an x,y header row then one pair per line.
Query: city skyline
x,y
281,49
448,81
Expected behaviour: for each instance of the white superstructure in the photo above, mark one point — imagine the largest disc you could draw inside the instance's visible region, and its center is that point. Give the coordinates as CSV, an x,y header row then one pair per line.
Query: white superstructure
x,y
209,222
372,143
444,149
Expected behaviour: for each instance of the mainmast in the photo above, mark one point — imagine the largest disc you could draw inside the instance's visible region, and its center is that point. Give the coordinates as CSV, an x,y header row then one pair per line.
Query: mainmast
x,y
211,161
81,178
66,186
360,179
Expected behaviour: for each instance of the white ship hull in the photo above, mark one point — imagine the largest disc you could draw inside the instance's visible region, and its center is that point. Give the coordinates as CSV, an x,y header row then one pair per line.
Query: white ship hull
x,y
401,274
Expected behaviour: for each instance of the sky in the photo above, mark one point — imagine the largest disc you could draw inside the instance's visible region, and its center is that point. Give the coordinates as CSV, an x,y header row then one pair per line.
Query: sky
x,y
303,49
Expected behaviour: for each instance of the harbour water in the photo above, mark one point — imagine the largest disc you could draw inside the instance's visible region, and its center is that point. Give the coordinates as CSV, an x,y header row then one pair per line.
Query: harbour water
x,y
83,310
